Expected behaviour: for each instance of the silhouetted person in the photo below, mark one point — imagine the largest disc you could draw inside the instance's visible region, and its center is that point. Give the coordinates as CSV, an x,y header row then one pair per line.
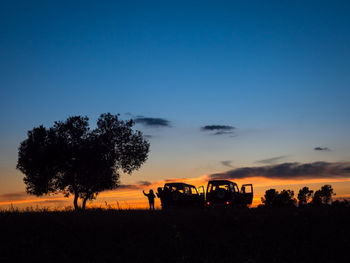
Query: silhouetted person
x,y
150,197
160,192
161,195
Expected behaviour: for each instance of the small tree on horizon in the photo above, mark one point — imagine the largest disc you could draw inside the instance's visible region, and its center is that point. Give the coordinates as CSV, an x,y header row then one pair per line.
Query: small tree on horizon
x,y
269,198
304,195
324,195
70,158
327,193
317,198
273,198
285,199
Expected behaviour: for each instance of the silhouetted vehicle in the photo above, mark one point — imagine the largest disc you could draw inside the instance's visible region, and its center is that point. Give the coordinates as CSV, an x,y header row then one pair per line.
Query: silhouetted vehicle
x,y
177,195
224,193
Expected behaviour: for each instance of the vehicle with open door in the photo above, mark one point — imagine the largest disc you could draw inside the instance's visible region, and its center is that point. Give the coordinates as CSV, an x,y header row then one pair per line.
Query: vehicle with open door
x,y
224,193
180,195
247,194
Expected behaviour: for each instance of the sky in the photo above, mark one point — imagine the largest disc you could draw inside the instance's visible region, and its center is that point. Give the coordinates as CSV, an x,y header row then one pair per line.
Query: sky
x,y
216,86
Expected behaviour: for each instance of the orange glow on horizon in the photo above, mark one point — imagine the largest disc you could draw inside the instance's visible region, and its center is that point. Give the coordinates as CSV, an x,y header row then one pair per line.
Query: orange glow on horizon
x,y
132,197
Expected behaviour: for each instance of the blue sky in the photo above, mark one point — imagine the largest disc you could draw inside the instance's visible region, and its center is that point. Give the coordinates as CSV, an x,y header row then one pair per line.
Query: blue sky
x,y
278,71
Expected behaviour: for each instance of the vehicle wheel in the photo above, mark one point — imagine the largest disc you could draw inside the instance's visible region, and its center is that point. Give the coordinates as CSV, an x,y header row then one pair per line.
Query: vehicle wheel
x,y
220,194
175,196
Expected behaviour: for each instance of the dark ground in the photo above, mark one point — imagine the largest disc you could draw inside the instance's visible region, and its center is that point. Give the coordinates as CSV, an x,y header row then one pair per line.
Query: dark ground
x,y
250,235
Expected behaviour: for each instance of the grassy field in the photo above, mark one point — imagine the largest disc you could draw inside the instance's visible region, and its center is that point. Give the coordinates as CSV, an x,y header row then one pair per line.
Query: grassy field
x,y
250,235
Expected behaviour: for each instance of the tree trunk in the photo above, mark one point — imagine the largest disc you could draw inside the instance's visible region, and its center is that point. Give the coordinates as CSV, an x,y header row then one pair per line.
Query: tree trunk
x,y
76,196
84,203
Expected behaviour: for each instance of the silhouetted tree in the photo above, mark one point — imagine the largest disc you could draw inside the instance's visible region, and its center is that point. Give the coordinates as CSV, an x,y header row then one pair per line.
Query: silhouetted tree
x,y
270,197
324,195
285,198
317,198
304,195
327,193
273,198
74,160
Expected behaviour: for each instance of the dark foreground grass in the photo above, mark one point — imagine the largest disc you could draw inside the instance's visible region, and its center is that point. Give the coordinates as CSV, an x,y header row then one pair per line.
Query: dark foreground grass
x,y
251,235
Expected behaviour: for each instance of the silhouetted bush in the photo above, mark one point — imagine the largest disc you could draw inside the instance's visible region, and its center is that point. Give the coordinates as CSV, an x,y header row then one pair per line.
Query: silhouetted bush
x,y
343,203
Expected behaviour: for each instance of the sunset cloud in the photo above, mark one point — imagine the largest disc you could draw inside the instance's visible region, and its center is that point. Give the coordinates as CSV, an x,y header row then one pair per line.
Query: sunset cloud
x,y
138,185
316,170
13,196
24,198
227,163
272,160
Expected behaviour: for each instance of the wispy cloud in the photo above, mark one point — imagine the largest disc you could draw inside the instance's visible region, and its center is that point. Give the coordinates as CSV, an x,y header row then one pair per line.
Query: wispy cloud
x,y
219,129
23,198
272,160
227,163
152,122
316,170
144,183
13,196
326,149
138,185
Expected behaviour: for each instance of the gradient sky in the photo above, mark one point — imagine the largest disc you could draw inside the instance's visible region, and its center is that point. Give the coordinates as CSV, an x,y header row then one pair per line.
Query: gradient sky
x,y
277,71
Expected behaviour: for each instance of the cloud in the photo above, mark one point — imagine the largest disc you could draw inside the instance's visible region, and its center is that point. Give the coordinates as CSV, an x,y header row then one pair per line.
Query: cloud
x,y
316,170
152,122
13,196
54,201
223,132
129,186
326,149
271,160
227,163
219,129
23,198
144,183
138,185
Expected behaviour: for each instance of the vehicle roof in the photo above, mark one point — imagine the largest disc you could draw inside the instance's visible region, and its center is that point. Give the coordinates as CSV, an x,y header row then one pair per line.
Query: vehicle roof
x,y
220,182
178,184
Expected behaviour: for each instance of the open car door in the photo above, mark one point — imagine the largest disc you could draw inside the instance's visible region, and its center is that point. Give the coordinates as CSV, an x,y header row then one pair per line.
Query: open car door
x,y
247,194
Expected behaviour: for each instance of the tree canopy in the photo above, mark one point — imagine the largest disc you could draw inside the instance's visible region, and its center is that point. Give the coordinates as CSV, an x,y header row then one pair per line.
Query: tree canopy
x,y
273,198
269,197
323,196
304,195
75,160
